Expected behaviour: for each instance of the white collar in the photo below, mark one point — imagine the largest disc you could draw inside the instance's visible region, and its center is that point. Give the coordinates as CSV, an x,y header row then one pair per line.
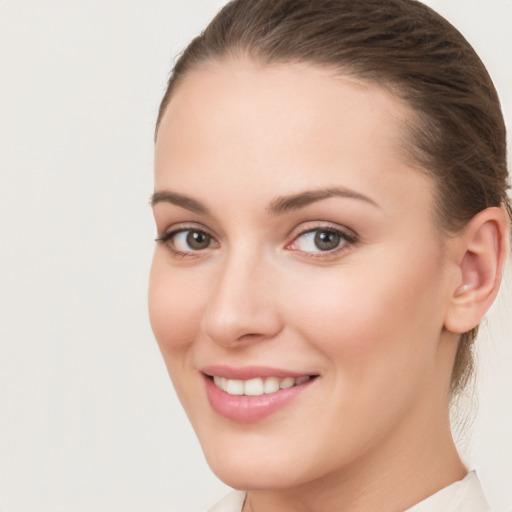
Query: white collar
x,y
466,495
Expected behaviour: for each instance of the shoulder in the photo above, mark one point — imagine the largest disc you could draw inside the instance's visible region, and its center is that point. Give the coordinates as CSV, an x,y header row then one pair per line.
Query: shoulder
x,y
233,502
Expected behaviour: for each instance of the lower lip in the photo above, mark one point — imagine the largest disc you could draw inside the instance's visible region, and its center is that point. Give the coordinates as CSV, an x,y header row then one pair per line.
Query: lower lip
x,y
247,409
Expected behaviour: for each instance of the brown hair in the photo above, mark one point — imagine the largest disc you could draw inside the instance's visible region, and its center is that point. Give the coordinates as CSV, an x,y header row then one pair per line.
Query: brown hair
x,y
458,136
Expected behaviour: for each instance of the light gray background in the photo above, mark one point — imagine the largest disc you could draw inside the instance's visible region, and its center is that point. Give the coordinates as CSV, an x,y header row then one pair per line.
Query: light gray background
x,y
88,419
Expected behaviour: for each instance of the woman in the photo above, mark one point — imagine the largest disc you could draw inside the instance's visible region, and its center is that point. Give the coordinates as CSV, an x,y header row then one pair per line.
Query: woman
x,y
330,201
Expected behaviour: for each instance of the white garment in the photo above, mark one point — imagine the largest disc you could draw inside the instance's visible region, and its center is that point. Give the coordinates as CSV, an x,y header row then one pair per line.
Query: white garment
x,y
233,502
463,496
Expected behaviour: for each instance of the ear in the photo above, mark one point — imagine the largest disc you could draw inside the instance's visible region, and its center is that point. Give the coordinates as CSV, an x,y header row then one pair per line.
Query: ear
x,y
481,252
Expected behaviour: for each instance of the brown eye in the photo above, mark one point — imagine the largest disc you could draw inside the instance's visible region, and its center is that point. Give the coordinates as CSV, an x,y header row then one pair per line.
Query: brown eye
x,y
198,240
322,240
327,240
187,241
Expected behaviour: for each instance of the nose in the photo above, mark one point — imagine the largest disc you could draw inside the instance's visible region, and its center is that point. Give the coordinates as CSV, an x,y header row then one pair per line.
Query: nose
x,y
242,307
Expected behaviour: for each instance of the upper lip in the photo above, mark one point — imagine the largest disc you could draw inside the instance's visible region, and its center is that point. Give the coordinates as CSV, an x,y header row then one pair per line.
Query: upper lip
x,y
250,372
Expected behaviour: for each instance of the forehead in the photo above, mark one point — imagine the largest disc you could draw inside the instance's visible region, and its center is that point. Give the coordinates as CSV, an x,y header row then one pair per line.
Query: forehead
x,y
239,122
238,90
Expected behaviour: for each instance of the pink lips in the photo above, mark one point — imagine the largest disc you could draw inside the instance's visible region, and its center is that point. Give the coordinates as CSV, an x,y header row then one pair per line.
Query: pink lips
x,y
243,408
248,372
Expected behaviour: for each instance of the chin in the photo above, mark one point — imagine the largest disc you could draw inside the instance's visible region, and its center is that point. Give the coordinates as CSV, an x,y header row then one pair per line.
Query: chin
x,y
253,476
256,467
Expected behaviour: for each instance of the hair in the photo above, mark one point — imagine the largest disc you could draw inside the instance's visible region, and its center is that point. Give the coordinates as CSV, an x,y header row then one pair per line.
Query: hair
x,y
457,135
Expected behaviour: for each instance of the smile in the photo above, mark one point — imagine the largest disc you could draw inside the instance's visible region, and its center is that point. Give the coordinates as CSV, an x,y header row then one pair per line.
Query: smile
x,y
251,394
257,386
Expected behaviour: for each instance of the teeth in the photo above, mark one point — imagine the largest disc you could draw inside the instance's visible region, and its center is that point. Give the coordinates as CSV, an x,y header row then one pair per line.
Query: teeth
x,y
271,385
258,386
253,387
287,383
220,382
235,387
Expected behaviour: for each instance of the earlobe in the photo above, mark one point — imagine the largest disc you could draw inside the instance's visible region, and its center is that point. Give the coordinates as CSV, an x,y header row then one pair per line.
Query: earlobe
x,y
481,254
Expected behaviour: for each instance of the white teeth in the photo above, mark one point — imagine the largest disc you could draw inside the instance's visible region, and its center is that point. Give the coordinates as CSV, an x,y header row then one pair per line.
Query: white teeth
x,y
235,387
220,382
287,383
257,386
271,385
253,387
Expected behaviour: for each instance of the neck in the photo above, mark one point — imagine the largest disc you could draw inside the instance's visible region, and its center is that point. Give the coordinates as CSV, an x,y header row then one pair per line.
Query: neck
x,y
409,466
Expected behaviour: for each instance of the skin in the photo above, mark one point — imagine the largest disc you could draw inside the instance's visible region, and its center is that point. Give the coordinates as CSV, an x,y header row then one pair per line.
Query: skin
x,y
371,432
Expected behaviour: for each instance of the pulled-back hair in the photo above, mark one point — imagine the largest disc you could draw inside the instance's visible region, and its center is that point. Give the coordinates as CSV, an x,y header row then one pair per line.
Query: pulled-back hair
x,y
457,135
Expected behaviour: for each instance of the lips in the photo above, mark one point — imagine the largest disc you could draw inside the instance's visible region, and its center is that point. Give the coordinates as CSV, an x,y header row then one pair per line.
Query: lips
x,y
252,393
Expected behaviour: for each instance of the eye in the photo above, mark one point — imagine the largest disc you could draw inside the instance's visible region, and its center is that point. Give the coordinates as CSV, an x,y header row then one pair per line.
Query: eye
x,y
321,240
185,241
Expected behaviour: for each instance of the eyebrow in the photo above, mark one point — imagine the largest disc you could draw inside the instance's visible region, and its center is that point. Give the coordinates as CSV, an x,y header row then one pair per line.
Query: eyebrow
x,y
285,204
166,196
277,206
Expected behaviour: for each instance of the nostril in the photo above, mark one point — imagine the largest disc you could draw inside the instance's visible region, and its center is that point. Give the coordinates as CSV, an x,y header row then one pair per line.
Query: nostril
x,y
250,336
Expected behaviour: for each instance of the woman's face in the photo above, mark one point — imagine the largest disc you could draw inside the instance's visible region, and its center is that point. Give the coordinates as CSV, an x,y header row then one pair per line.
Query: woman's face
x,y
298,248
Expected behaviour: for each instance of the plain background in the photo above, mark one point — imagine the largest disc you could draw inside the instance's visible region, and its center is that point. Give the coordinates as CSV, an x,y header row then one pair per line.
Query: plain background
x,y
88,418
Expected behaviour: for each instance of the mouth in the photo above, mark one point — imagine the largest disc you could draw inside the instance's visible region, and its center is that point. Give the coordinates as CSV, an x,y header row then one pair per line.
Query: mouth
x,y
251,394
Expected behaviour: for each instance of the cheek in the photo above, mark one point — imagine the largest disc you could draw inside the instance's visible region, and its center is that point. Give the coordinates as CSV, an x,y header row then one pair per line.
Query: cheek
x,y
375,321
175,309
377,330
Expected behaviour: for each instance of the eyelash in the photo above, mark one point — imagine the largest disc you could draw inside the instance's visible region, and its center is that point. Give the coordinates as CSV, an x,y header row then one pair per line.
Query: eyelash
x,y
346,240
167,240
